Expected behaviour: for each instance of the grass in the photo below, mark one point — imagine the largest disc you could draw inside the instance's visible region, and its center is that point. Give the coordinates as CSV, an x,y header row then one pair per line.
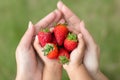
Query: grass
x,y
101,18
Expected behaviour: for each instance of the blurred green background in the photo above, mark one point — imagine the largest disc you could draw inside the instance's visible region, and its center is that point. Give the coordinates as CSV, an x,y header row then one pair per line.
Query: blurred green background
x,y
102,18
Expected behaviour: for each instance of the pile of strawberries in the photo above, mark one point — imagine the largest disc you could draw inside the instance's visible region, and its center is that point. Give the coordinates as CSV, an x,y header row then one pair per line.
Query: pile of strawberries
x,y
59,43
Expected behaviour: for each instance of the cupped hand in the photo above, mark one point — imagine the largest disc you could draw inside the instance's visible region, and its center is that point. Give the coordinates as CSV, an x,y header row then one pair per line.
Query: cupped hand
x,y
46,60
76,56
75,68
91,54
52,68
29,65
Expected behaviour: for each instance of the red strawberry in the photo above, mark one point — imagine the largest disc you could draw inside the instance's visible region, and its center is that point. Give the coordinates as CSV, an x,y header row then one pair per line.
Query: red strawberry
x,y
51,51
44,36
60,32
63,56
70,42
54,39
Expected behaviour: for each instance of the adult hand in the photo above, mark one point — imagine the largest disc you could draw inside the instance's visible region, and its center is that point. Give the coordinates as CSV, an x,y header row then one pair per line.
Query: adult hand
x,y
52,69
29,65
91,57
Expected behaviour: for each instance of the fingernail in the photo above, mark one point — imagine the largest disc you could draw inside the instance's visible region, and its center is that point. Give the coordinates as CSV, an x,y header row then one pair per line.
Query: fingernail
x,y
80,36
60,4
36,37
82,23
30,24
55,10
51,29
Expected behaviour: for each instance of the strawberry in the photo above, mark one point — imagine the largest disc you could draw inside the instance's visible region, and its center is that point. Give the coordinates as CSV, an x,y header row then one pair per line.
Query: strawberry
x,y
54,39
44,36
60,32
70,42
51,51
63,56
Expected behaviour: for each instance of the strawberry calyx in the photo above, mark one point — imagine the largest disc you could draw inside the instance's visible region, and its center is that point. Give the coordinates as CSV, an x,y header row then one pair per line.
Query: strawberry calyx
x,y
63,59
48,48
72,36
45,30
64,24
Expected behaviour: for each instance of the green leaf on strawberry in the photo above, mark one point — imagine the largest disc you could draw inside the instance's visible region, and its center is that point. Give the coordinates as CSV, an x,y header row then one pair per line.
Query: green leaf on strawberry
x,y
72,36
63,59
70,43
48,48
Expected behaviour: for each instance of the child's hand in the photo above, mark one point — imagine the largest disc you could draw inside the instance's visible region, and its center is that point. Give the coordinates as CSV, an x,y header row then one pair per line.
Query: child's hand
x,y
76,56
52,68
75,67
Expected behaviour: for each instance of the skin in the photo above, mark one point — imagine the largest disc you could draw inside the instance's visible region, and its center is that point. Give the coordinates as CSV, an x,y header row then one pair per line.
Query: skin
x,y
51,65
92,52
76,69
29,64
28,61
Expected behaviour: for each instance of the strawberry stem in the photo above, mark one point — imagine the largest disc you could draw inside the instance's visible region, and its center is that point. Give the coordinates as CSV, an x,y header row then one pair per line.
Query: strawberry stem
x,y
46,30
48,48
63,59
72,36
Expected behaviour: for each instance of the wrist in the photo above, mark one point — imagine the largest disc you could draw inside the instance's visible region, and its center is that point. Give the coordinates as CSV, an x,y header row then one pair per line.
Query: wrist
x,y
55,68
55,65
76,72
52,72
71,67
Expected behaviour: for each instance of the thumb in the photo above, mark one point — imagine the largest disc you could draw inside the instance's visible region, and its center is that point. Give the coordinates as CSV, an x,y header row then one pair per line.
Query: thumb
x,y
27,38
77,54
38,48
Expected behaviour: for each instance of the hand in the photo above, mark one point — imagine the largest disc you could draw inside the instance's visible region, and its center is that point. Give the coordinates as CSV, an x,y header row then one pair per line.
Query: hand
x,y
52,68
91,57
76,56
29,65
75,68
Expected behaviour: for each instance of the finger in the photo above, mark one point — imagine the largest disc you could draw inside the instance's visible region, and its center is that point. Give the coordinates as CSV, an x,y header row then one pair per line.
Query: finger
x,y
87,36
78,52
68,14
57,18
58,15
48,20
28,36
51,29
38,48
62,21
